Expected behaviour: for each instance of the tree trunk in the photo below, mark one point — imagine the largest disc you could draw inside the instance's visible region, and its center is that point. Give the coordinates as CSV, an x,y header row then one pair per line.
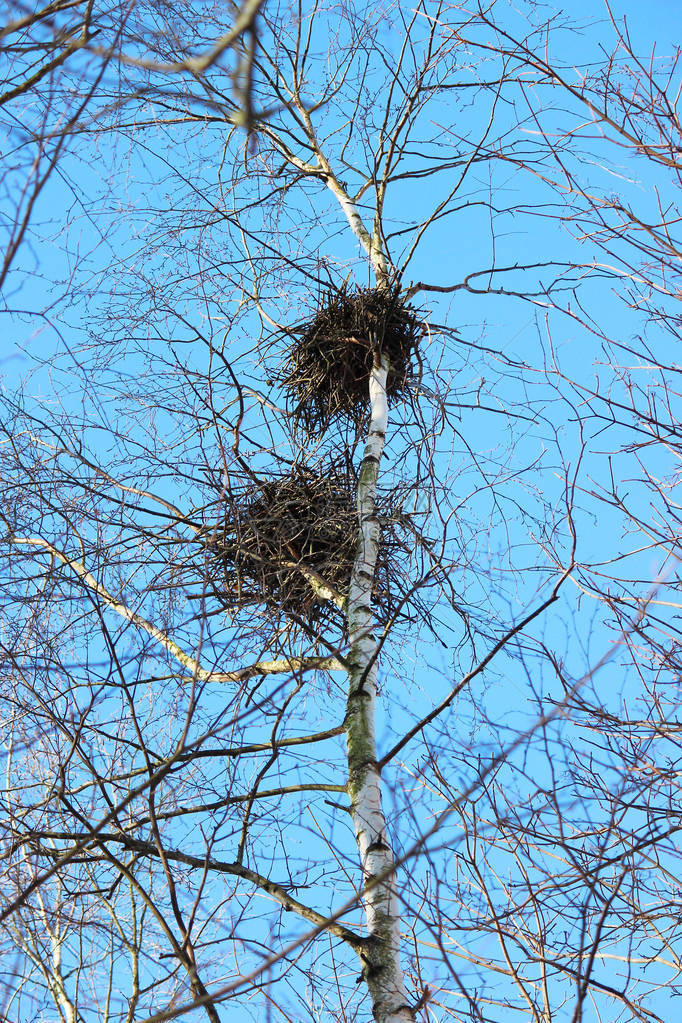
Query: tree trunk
x,y
382,970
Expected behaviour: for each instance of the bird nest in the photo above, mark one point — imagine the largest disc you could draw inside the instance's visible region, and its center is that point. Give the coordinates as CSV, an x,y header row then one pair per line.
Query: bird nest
x,y
289,545
326,370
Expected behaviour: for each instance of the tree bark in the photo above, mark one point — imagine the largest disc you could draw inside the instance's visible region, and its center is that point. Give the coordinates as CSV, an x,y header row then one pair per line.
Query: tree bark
x,y
382,970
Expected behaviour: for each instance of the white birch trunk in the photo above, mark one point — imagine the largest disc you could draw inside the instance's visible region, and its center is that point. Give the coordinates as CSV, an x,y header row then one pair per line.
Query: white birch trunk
x,y
382,970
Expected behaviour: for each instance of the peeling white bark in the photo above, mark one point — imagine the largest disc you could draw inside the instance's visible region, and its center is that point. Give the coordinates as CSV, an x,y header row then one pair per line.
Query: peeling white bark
x,y
370,243
382,969
55,980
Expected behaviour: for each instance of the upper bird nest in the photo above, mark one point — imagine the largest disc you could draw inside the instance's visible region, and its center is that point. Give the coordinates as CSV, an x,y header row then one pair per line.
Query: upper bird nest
x,y
289,544
327,367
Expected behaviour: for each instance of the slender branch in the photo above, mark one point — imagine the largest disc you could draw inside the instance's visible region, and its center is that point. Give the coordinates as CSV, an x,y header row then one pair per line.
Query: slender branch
x,y
191,664
280,892
502,642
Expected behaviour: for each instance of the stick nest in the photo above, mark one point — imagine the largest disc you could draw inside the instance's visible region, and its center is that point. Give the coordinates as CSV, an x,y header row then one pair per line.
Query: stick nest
x,y
276,532
326,371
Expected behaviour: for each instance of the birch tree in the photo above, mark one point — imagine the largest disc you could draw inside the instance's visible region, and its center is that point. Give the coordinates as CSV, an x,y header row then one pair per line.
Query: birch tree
x,y
303,690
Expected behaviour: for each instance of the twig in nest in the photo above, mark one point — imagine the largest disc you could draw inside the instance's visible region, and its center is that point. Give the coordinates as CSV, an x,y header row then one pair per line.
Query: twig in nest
x,y
326,370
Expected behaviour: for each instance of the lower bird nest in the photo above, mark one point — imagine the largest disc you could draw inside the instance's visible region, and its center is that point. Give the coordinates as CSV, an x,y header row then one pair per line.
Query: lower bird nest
x,y
289,545
326,371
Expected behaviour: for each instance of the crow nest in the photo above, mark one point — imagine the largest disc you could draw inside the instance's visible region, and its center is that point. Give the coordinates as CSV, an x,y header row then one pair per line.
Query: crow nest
x,y
288,545
325,373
